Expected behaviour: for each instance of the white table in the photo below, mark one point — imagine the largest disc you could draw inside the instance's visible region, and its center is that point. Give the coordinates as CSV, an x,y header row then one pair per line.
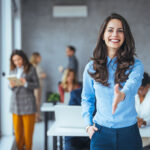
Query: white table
x,y
55,130
47,107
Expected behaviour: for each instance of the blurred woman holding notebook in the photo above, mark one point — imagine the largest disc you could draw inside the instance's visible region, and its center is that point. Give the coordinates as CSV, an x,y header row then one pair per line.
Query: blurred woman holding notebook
x,y
35,61
23,104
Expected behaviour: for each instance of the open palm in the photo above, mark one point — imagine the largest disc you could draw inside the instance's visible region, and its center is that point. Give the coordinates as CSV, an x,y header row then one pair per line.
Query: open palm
x,y
118,97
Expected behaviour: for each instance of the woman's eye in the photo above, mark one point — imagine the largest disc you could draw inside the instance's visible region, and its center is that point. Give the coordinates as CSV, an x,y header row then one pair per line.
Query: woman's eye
x,y
110,30
120,31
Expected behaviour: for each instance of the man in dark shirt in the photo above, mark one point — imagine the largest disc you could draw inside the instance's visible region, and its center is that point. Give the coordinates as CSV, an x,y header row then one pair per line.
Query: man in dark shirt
x,y
72,60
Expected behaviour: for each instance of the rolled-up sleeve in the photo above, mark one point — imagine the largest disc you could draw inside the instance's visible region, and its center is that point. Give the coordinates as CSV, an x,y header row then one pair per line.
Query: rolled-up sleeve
x,y
88,96
134,80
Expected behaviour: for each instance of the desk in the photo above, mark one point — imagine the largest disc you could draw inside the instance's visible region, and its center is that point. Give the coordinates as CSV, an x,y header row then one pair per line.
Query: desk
x,y
55,130
46,108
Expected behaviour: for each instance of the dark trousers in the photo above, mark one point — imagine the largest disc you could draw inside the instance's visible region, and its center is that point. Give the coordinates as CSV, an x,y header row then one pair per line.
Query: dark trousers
x,y
77,143
146,147
127,138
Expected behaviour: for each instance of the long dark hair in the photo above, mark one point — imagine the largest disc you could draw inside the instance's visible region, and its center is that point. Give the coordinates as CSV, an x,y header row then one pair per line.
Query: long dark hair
x,y
26,62
125,54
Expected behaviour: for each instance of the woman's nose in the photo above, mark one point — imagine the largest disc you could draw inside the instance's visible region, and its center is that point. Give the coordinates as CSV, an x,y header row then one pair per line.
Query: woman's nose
x,y
114,33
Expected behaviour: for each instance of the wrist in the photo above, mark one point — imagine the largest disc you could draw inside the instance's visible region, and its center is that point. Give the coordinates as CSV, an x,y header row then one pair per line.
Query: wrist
x,y
88,128
122,96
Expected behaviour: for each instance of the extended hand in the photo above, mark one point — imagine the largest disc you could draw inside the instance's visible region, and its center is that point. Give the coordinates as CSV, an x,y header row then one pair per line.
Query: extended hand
x,y
118,97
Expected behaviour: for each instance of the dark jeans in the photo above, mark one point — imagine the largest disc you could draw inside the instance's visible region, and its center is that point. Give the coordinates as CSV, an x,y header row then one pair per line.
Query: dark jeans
x,y
127,138
77,143
146,147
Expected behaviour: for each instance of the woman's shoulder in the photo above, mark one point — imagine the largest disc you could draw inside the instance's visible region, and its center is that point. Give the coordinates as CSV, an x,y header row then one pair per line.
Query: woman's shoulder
x,y
137,61
89,66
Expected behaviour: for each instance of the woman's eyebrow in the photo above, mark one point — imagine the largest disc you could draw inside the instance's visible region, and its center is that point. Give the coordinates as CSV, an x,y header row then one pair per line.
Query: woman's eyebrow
x,y
113,28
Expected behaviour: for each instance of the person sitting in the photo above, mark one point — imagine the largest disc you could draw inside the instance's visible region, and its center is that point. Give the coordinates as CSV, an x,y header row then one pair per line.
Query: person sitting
x,y
76,143
142,103
68,83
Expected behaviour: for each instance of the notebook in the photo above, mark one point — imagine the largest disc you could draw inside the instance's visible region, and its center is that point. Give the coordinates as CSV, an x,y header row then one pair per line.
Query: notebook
x,y
69,116
14,79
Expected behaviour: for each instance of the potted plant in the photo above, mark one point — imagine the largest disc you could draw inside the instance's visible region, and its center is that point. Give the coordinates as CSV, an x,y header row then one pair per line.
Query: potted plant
x,y
53,98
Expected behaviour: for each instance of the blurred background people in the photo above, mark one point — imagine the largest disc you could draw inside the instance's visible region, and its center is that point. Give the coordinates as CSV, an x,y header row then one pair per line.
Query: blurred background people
x,y
76,143
23,105
35,61
72,60
69,82
142,103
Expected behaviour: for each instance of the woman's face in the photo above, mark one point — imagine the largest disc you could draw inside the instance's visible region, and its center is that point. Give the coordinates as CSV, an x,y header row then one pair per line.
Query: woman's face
x,y
114,34
38,59
70,77
17,60
143,90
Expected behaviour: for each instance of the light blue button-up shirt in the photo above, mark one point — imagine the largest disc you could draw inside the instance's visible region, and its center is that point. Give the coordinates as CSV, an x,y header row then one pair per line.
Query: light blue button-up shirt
x,y
125,114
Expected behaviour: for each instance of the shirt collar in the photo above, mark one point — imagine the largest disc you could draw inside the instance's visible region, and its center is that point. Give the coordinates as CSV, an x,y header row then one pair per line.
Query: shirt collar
x,y
111,60
20,68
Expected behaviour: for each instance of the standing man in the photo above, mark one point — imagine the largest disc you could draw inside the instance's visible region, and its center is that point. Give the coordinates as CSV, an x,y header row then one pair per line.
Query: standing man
x,y
72,60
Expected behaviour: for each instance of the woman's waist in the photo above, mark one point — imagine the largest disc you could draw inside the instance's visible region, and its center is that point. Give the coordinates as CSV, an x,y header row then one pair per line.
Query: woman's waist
x,y
116,121
118,129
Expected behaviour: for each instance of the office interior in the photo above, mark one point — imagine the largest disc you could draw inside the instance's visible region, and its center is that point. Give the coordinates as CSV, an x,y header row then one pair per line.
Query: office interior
x,y
47,27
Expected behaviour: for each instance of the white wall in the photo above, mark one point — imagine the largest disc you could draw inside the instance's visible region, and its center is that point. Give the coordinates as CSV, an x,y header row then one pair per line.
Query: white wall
x,y
17,35
6,119
11,39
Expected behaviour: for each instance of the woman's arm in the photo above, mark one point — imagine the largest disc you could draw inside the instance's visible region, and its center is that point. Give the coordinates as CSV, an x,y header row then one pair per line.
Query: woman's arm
x,y
33,83
88,96
131,86
134,80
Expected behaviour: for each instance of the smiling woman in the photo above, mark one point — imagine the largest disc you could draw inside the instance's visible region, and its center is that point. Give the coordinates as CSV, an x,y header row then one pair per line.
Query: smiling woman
x,y
112,78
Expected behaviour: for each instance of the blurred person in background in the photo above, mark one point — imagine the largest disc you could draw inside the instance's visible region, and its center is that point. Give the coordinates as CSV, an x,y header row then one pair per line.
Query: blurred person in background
x,y
23,104
76,143
68,83
35,61
142,104
72,60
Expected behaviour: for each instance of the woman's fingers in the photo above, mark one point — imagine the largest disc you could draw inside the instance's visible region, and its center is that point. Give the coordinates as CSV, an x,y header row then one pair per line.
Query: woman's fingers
x,y
95,128
118,97
91,131
116,88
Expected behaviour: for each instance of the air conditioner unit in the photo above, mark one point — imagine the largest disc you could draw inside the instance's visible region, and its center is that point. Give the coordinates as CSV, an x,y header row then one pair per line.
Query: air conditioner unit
x,y
70,11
